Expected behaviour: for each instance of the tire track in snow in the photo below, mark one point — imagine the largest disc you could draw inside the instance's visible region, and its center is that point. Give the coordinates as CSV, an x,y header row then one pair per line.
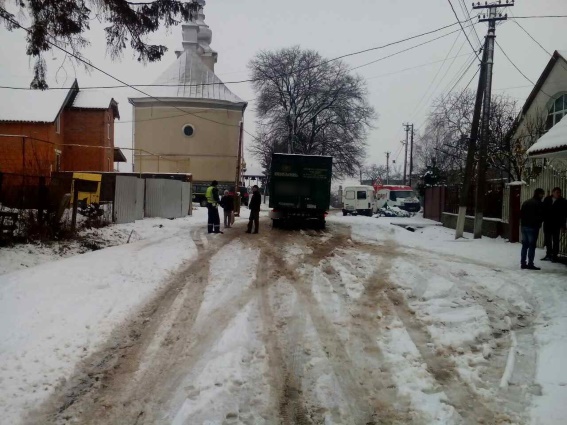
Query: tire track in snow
x,y
496,302
101,390
465,401
348,373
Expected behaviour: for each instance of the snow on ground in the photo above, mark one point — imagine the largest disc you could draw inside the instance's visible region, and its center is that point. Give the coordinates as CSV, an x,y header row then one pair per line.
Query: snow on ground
x,y
453,286
21,256
56,313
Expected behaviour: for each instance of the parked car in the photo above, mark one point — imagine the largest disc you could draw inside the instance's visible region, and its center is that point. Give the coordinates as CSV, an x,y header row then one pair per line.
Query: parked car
x,y
402,197
358,200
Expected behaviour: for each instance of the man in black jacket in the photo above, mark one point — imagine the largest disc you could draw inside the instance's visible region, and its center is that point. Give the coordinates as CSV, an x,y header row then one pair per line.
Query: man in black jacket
x,y
531,217
254,206
555,218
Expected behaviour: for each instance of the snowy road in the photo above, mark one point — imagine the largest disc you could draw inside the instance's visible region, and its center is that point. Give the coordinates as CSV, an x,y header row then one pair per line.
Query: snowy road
x,y
306,327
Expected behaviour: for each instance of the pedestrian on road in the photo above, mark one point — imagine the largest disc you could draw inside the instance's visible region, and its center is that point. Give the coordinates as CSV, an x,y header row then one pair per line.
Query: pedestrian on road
x,y
254,207
227,204
531,217
212,195
555,220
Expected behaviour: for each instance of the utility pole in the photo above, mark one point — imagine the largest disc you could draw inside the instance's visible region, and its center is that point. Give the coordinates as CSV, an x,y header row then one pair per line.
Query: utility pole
x,y
387,167
411,157
471,152
407,126
492,18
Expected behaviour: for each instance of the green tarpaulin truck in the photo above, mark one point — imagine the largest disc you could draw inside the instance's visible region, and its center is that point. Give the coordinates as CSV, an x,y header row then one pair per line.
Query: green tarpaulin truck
x,y
300,188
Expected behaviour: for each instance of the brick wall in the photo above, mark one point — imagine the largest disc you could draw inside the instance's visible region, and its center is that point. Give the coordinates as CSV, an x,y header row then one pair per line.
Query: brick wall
x,y
35,155
89,127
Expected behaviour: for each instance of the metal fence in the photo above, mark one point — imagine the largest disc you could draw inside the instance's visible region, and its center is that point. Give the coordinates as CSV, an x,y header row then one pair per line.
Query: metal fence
x,y
493,199
548,179
167,198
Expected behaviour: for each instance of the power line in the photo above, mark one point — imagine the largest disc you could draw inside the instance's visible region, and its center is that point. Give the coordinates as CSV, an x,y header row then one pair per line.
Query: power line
x,y
462,28
417,107
529,35
405,50
513,64
541,16
466,13
239,81
250,80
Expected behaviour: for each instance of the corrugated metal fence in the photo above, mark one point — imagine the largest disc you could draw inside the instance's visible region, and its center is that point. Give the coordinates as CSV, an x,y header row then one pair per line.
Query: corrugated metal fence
x,y
126,200
136,198
167,198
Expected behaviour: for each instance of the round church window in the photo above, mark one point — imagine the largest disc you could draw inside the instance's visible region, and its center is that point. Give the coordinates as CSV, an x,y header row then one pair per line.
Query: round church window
x,y
188,130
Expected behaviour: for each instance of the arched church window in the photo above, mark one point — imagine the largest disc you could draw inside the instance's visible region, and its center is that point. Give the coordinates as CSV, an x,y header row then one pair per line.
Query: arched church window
x,y
188,130
557,111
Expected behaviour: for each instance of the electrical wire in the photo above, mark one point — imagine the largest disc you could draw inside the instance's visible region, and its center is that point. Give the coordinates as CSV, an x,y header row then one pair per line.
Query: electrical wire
x,y
467,14
250,80
463,29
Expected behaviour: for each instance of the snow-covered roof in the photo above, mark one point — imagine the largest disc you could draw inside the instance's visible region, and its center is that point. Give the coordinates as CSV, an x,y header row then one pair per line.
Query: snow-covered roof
x,y
33,105
552,143
95,100
188,77
92,100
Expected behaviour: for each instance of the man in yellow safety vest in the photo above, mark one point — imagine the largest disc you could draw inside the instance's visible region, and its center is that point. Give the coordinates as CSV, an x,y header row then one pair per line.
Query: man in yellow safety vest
x,y
212,195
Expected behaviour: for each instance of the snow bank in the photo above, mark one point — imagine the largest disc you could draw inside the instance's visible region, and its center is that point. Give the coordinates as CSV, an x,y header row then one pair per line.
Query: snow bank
x,y
57,313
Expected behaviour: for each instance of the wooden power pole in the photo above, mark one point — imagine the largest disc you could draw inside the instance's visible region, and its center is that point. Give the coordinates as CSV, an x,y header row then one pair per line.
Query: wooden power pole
x,y
471,152
387,167
492,18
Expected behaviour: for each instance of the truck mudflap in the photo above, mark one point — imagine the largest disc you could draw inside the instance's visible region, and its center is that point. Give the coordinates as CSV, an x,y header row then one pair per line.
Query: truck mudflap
x,y
298,216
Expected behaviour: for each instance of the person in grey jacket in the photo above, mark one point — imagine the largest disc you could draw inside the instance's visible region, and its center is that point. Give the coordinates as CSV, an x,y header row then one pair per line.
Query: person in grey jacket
x,y
531,217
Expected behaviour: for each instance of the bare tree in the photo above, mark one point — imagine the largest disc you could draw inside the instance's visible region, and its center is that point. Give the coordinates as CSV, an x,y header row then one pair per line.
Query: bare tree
x,y
62,23
444,142
309,105
374,172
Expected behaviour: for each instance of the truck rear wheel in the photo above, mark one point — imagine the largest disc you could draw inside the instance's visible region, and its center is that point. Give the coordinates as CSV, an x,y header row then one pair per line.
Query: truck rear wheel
x,y
203,203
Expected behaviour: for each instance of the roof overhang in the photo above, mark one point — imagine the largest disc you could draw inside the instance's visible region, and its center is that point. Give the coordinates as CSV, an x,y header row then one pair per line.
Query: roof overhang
x,y
119,155
176,102
552,144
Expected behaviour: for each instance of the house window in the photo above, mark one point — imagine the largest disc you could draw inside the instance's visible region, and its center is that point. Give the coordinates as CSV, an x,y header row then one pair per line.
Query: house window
x,y
188,130
58,124
108,131
557,111
57,160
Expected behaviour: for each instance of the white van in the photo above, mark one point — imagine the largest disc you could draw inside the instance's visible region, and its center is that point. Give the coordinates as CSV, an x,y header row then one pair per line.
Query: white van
x,y
358,200
402,197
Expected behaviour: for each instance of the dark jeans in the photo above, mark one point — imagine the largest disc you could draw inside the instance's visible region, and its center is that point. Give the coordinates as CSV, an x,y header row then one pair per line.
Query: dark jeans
x,y
254,218
551,240
529,242
214,219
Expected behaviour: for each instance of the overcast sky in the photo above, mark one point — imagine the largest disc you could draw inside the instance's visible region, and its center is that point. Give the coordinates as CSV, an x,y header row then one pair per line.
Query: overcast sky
x,y
242,28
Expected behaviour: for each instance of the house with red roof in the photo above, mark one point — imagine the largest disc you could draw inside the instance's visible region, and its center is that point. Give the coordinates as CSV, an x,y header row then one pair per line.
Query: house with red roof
x,y
56,130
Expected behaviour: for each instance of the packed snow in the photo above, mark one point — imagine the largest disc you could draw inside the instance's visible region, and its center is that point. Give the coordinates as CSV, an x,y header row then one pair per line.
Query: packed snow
x,y
366,322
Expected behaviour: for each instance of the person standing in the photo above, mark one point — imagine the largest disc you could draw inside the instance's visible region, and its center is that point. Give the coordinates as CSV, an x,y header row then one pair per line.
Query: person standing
x,y
212,195
227,204
555,220
254,207
531,217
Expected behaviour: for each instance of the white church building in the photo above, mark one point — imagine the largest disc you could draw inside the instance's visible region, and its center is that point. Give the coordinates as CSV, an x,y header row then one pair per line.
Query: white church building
x,y
192,122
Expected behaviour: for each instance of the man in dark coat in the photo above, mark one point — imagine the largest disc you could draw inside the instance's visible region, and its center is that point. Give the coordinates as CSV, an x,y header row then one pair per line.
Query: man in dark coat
x,y
531,217
212,195
555,220
227,204
254,206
